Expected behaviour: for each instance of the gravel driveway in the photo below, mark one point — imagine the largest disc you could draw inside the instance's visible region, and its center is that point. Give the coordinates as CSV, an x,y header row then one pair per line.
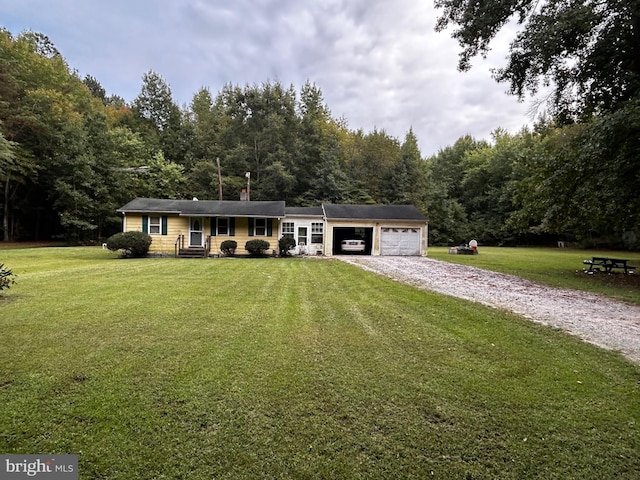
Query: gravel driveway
x,y
597,319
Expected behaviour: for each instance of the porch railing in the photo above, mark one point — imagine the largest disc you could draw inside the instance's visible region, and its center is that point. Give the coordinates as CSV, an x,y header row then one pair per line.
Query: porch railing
x,y
179,249
207,246
178,245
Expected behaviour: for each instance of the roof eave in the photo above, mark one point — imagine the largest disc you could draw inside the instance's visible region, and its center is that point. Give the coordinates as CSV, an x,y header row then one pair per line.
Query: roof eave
x,y
169,212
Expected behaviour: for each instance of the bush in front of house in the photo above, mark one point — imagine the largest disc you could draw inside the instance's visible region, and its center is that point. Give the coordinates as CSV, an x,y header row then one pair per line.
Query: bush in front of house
x,y
131,244
257,247
228,247
6,277
285,245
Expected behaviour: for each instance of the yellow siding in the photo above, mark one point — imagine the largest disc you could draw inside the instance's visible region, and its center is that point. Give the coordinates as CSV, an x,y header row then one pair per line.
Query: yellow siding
x,y
177,225
242,236
162,244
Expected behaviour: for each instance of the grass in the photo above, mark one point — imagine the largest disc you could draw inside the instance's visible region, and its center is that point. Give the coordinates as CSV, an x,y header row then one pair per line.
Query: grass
x,y
290,368
554,266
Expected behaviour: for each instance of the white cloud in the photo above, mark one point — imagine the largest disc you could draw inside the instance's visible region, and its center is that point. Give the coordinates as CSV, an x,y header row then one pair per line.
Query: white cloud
x,y
378,63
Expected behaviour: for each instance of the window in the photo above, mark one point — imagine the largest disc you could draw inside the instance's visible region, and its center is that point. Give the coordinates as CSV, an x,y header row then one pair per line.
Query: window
x,y
223,226
261,227
154,225
288,229
317,233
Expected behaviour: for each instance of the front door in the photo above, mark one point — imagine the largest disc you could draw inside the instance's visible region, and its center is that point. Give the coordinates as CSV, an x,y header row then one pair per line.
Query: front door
x,y
302,239
195,232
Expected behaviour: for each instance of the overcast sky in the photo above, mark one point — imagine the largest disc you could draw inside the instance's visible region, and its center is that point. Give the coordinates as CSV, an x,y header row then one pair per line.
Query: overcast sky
x,y
379,64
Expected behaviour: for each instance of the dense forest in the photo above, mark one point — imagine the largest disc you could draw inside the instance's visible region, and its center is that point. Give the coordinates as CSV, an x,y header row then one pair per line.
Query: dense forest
x,y
70,155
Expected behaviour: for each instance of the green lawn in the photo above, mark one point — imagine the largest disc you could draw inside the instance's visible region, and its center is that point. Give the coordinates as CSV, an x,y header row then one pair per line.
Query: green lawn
x,y
295,368
558,267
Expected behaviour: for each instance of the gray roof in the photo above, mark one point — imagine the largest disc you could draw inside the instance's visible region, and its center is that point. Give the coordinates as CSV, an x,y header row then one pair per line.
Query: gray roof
x,y
205,208
275,209
304,211
372,212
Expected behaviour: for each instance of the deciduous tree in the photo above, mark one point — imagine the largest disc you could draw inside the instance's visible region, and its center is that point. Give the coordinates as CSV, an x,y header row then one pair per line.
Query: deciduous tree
x,y
587,51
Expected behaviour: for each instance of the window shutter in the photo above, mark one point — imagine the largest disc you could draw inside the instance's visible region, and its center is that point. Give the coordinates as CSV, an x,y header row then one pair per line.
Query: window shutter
x,y
251,227
145,224
164,225
232,226
269,227
213,226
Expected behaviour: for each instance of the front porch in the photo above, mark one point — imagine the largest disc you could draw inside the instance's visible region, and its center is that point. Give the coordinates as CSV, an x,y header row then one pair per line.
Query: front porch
x,y
184,250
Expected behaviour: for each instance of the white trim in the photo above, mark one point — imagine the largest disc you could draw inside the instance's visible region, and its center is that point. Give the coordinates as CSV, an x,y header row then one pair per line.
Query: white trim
x,y
159,225
266,227
300,221
201,231
217,225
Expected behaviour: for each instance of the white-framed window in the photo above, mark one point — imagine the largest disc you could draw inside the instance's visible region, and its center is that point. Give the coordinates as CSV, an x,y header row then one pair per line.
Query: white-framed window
x,y
155,226
317,232
260,229
288,229
223,226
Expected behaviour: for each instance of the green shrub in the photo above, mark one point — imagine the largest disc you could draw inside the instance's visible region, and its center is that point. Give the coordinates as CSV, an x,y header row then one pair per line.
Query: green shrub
x,y
285,244
132,244
228,247
6,279
257,247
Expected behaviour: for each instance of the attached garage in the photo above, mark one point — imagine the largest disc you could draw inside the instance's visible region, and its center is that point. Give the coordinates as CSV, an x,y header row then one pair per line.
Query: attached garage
x,y
400,241
385,229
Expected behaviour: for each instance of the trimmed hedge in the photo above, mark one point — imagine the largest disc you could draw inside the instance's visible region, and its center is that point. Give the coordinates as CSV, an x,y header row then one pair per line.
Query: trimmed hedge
x,y
228,247
257,247
132,244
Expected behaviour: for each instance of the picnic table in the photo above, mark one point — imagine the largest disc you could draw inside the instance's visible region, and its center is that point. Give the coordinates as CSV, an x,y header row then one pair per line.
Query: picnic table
x,y
608,265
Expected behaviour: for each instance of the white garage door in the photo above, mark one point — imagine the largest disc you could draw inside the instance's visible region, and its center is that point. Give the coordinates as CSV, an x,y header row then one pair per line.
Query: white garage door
x,y
400,241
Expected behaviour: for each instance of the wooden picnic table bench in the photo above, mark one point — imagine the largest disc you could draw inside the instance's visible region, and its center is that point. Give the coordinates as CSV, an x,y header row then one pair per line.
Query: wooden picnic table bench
x,y
608,265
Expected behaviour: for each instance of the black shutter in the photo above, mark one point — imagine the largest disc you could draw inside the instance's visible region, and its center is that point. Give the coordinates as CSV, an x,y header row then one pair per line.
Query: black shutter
x,y
164,225
232,226
213,226
251,227
145,224
269,227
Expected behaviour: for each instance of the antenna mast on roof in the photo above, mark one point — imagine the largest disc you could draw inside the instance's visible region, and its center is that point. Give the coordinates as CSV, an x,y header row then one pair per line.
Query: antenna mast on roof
x,y
219,179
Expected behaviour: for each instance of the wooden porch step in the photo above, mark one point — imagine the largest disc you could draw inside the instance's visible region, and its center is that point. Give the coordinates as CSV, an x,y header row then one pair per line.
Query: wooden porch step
x,y
191,252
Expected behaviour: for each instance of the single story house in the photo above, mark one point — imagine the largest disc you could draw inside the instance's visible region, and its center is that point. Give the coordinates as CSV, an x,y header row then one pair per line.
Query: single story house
x,y
193,225
188,226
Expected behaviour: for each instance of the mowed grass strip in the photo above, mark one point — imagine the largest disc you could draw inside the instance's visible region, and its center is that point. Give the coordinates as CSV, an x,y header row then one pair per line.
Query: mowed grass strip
x,y
557,267
295,368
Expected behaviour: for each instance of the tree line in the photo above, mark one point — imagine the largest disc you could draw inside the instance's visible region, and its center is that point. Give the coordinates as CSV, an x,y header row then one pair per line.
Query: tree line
x,y
70,155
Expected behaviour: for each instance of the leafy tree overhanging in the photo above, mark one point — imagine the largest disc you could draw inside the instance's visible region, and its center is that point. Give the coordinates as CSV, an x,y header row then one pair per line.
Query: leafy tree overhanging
x,y
588,52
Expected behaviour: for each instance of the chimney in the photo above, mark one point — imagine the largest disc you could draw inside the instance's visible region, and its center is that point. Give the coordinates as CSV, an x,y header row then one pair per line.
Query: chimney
x,y
243,195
